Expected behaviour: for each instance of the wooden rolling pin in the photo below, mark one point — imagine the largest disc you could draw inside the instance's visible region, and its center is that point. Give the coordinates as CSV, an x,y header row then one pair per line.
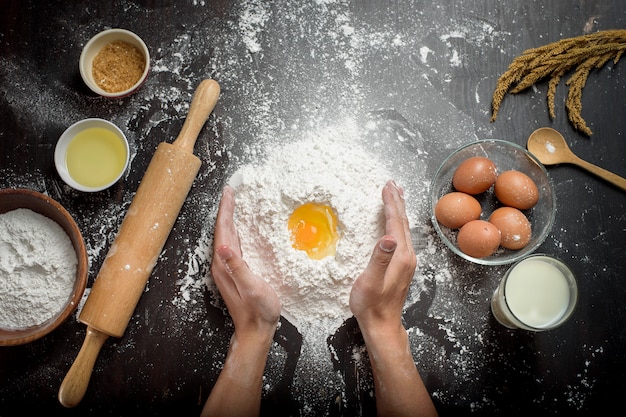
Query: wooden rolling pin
x,y
139,242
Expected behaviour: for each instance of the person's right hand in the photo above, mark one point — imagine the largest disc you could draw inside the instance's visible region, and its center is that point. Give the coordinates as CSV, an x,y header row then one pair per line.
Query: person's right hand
x,y
378,295
377,300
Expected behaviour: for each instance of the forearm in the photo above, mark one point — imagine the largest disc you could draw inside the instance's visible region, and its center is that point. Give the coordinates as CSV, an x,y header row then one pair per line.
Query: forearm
x,y
398,385
237,391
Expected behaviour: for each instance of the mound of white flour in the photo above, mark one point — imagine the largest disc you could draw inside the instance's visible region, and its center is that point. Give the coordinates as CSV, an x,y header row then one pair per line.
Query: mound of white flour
x,y
322,169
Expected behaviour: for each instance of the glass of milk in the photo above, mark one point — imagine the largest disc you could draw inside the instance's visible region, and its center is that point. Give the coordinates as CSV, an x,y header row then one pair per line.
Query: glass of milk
x,y
537,293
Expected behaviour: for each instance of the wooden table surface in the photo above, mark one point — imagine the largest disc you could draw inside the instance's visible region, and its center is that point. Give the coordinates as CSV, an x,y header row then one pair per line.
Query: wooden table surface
x,y
420,75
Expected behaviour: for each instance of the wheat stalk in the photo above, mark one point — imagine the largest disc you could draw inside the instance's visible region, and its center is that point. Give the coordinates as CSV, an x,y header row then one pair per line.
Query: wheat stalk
x,y
554,60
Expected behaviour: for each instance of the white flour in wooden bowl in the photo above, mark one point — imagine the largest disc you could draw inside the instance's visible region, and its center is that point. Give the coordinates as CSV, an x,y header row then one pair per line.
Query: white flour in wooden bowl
x,y
320,169
37,269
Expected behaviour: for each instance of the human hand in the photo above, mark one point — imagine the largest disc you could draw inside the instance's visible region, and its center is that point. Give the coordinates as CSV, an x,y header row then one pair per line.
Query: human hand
x,y
251,301
255,310
377,300
378,294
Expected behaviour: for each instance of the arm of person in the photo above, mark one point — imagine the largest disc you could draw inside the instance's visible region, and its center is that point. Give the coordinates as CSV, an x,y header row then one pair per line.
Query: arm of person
x,y
377,300
255,311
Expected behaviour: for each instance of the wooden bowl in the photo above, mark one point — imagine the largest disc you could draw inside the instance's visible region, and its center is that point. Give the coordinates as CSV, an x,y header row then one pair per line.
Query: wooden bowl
x,y
14,198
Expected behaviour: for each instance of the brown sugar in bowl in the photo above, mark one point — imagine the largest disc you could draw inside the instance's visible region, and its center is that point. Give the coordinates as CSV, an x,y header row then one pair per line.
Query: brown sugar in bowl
x,y
117,56
15,198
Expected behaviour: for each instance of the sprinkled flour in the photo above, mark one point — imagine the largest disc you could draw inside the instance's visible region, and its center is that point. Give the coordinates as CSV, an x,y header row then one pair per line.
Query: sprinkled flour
x,y
316,169
417,94
37,269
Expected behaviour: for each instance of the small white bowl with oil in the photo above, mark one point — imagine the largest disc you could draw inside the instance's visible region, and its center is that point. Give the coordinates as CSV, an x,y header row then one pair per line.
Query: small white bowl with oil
x,y
91,155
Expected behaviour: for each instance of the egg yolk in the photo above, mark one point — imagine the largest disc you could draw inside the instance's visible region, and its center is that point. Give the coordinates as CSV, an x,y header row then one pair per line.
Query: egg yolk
x,y
313,229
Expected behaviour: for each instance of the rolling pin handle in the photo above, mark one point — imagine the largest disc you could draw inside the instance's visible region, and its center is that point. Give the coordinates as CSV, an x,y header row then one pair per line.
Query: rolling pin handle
x,y
75,383
202,104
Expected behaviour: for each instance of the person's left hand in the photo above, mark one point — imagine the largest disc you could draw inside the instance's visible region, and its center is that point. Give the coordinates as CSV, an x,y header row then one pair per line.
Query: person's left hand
x,y
255,309
251,301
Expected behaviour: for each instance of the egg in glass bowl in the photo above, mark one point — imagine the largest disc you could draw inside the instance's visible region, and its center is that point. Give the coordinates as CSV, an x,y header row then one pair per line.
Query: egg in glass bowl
x,y
492,202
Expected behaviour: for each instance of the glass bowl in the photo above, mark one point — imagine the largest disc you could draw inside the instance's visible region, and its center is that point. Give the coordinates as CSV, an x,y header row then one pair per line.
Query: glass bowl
x,y
506,155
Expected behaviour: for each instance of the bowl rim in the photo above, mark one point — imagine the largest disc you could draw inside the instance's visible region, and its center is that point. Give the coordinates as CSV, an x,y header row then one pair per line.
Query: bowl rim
x,y
67,136
10,199
492,261
98,41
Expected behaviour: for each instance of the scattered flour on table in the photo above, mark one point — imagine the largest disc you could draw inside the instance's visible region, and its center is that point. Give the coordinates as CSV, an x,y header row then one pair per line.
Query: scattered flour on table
x,y
446,294
253,19
37,269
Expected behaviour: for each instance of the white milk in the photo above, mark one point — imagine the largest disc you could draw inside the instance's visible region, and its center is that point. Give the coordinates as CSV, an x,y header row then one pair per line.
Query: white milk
x,y
535,295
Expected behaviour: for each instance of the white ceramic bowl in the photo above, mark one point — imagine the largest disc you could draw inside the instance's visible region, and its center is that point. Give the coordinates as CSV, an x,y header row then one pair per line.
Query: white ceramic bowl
x,y
96,167
506,155
95,45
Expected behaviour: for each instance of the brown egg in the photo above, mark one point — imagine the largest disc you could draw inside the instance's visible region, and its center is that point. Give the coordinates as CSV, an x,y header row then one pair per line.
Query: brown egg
x,y
475,175
516,189
478,238
455,209
515,229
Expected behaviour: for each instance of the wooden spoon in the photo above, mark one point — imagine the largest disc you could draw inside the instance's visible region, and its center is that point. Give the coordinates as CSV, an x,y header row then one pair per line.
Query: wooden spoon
x,y
549,146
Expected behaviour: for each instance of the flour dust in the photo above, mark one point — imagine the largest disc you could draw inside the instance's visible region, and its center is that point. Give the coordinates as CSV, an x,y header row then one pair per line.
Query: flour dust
x,y
335,70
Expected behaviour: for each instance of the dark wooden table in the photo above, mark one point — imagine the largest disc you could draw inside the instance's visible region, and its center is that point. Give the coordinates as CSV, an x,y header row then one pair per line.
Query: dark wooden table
x,y
422,74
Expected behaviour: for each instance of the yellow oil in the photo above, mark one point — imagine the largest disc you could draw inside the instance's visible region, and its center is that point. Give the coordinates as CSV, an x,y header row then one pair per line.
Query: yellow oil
x,y
95,157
